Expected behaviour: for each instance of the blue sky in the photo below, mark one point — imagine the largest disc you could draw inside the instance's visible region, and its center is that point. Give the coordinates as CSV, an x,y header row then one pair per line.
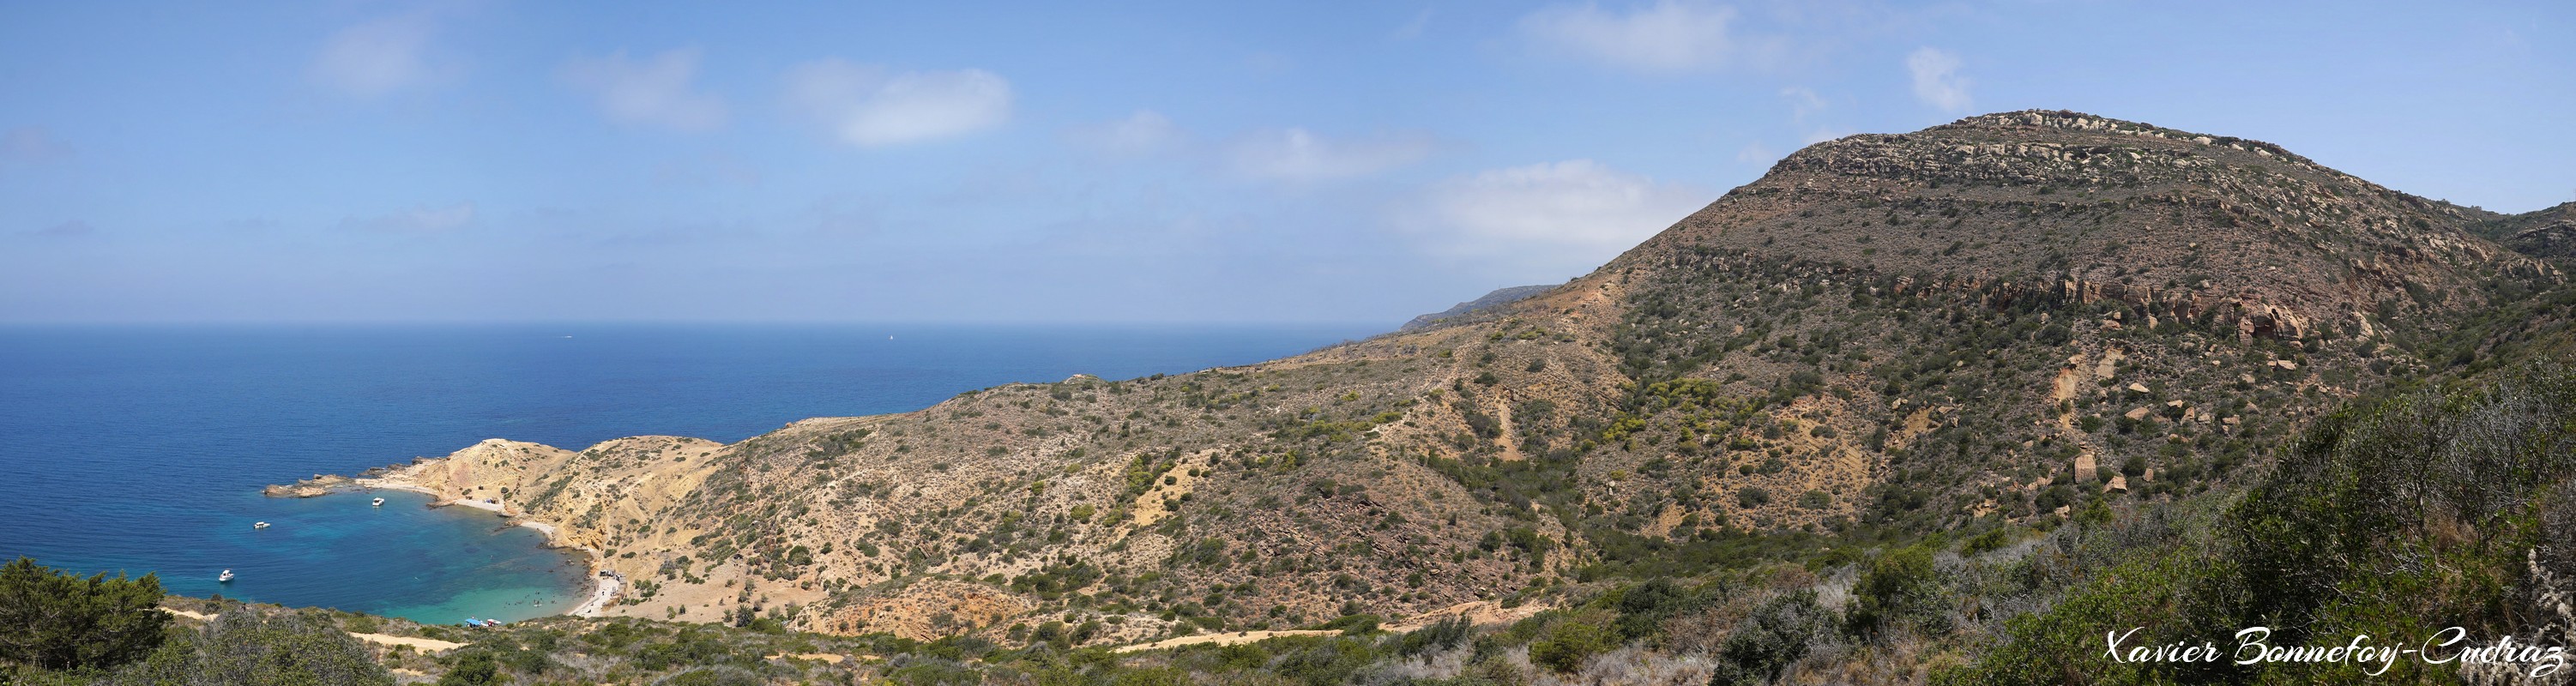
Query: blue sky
x,y
1137,162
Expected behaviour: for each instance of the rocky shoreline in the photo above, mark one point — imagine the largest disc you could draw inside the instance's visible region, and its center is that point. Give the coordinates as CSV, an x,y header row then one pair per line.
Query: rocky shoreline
x,y
326,484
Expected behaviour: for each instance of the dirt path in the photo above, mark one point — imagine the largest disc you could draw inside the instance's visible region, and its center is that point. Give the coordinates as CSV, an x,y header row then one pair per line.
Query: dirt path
x,y
1503,413
1477,612
1236,638
834,658
427,645
2069,381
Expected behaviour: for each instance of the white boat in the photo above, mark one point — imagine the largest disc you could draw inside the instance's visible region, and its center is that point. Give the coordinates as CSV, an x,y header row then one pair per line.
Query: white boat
x,y
225,578
380,502
259,525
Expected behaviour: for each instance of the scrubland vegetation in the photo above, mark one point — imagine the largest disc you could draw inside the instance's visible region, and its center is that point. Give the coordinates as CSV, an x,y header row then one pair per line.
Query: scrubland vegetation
x,y
1939,408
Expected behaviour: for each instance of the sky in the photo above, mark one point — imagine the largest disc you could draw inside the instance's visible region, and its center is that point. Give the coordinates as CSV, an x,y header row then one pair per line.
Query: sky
x,y
1185,162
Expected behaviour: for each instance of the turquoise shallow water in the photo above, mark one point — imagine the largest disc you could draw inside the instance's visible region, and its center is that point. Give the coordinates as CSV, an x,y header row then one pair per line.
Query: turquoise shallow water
x,y
405,559
142,449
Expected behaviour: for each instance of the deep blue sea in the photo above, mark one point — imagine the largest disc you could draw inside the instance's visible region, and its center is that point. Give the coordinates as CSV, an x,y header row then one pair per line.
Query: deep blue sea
x,y
143,448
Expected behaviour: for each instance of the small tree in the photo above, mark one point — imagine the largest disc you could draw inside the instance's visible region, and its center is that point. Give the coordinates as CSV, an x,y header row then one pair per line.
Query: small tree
x,y
1569,642
1776,635
472,668
58,621
1902,586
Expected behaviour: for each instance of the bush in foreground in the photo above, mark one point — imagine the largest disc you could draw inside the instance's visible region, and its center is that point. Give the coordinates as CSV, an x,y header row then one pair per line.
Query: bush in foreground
x,y
248,647
51,620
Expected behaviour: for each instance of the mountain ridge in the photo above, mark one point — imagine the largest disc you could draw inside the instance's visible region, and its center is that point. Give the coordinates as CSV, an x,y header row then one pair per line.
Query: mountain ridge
x,y
1495,298
1974,325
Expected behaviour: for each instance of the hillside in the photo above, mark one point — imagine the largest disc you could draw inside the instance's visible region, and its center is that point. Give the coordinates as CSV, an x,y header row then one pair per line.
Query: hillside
x,y
2546,233
1978,327
1498,298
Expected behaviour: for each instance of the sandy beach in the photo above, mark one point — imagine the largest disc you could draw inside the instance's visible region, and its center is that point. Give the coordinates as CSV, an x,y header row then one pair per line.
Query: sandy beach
x,y
396,482
603,589
495,508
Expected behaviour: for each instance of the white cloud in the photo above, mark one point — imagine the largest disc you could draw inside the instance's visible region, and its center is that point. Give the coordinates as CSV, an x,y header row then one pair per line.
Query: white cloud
x,y
652,92
1804,105
32,145
1802,102
378,57
1668,36
1298,155
863,105
417,220
1756,152
1146,132
1575,203
1936,79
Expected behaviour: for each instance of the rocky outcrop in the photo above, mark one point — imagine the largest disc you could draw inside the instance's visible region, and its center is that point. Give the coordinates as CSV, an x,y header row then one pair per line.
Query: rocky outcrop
x,y
2552,241
319,485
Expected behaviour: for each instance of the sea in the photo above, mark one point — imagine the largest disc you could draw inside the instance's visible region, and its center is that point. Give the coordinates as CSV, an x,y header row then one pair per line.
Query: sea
x,y
142,449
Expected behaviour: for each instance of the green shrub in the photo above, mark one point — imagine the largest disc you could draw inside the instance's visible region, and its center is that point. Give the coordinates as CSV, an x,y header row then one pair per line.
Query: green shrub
x,y
249,647
2398,517
1900,587
1568,643
1441,635
920,671
473,668
1775,636
713,676
1992,540
54,620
